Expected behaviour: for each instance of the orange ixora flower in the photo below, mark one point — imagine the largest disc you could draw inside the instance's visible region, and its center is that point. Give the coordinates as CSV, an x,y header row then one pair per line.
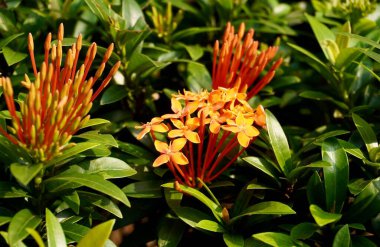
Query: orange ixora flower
x,y
154,125
216,127
58,101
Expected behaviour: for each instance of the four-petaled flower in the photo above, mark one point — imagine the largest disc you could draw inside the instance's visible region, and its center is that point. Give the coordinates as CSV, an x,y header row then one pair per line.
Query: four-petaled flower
x,y
171,152
185,130
243,127
154,125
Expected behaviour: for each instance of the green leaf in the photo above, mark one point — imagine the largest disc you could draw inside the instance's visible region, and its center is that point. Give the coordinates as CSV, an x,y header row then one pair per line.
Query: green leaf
x,y
9,39
70,180
131,12
74,231
54,232
25,173
22,220
198,77
342,237
275,239
361,39
144,189
359,241
346,57
264,208
322,33
358,185
303,230
95,137
192,31
101,202
233,240
36,236
279,143
170,232
73,201
113,94
315,95
315,190
71,152
98,235
108,167
210,225
195,51
263,166
95,122
366,132
9,190
191,216
336,175
318,164
323,218
13,57
135,151
352,149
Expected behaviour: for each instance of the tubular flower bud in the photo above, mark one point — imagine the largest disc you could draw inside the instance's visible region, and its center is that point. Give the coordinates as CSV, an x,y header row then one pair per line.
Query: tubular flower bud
x,y
58,101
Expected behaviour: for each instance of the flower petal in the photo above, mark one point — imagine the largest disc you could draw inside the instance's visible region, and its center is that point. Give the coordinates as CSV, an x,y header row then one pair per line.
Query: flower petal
x,y
179,158
161,147
177,123
240,120
160,127
231,128
176,105
214,127
162,159
243,139
177,144
192,123
143,133
156,120
251,131
175,133
192,136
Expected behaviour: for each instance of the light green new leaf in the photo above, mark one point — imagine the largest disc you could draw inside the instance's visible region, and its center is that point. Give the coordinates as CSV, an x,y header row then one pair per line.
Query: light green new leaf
x,y
95,137
366,132
210,225
25,173
323,218
346,57
98,235
54,232
70,180
36,236
275,239
279,143
95,122
233,240
22,220
336,175
12,57
342,237
108,167
322,33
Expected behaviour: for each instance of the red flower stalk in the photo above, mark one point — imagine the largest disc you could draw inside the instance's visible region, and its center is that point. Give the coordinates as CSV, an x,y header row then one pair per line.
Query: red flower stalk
x,y
58,101
239,64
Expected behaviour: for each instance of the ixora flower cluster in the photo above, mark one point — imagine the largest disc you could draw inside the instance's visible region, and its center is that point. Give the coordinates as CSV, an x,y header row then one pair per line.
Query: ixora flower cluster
x,y
208,131
58,101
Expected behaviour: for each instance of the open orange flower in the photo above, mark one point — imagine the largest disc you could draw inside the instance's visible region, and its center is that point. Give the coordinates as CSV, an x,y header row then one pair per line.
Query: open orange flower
x,y
154,125
243,127
185,130
171,152
179,111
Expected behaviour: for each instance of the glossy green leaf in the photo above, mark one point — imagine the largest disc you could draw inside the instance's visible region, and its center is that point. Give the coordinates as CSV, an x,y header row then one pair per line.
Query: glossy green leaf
x,y
264,208
233,240
321,32
336,175
9,190
95,137
54,232
198,77
73,201
135,151
95,122
25,173
108,167
9,39
170,232
100,201
195,51
192,31
131,12
144,189
215,209
98,235
352,149
279,143
309,94
71,152
362,241
74,231
303,230
262,165
358,185
366,132
323,218
22,220
12,57
315,190
113,94
74,180
210,225
275,239
342,237
318,164
36,236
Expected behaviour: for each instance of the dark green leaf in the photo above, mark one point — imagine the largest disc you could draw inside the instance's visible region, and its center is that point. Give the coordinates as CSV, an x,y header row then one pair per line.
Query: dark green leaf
x,y
318,164
9,39
315,190
170,232
233,240
144,189
323,218
25,173
336,175
192,31
22,220
95,137
303,230
263,166
198,77
73,201
315,95
366,132
101,202
9,190
54,232
342,237
113,94
362,241
358,185
279,143
98,235
12,57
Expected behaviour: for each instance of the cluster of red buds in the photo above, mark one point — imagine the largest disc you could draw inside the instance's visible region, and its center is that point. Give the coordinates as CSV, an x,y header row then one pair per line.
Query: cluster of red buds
x,y
208,131
58,101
